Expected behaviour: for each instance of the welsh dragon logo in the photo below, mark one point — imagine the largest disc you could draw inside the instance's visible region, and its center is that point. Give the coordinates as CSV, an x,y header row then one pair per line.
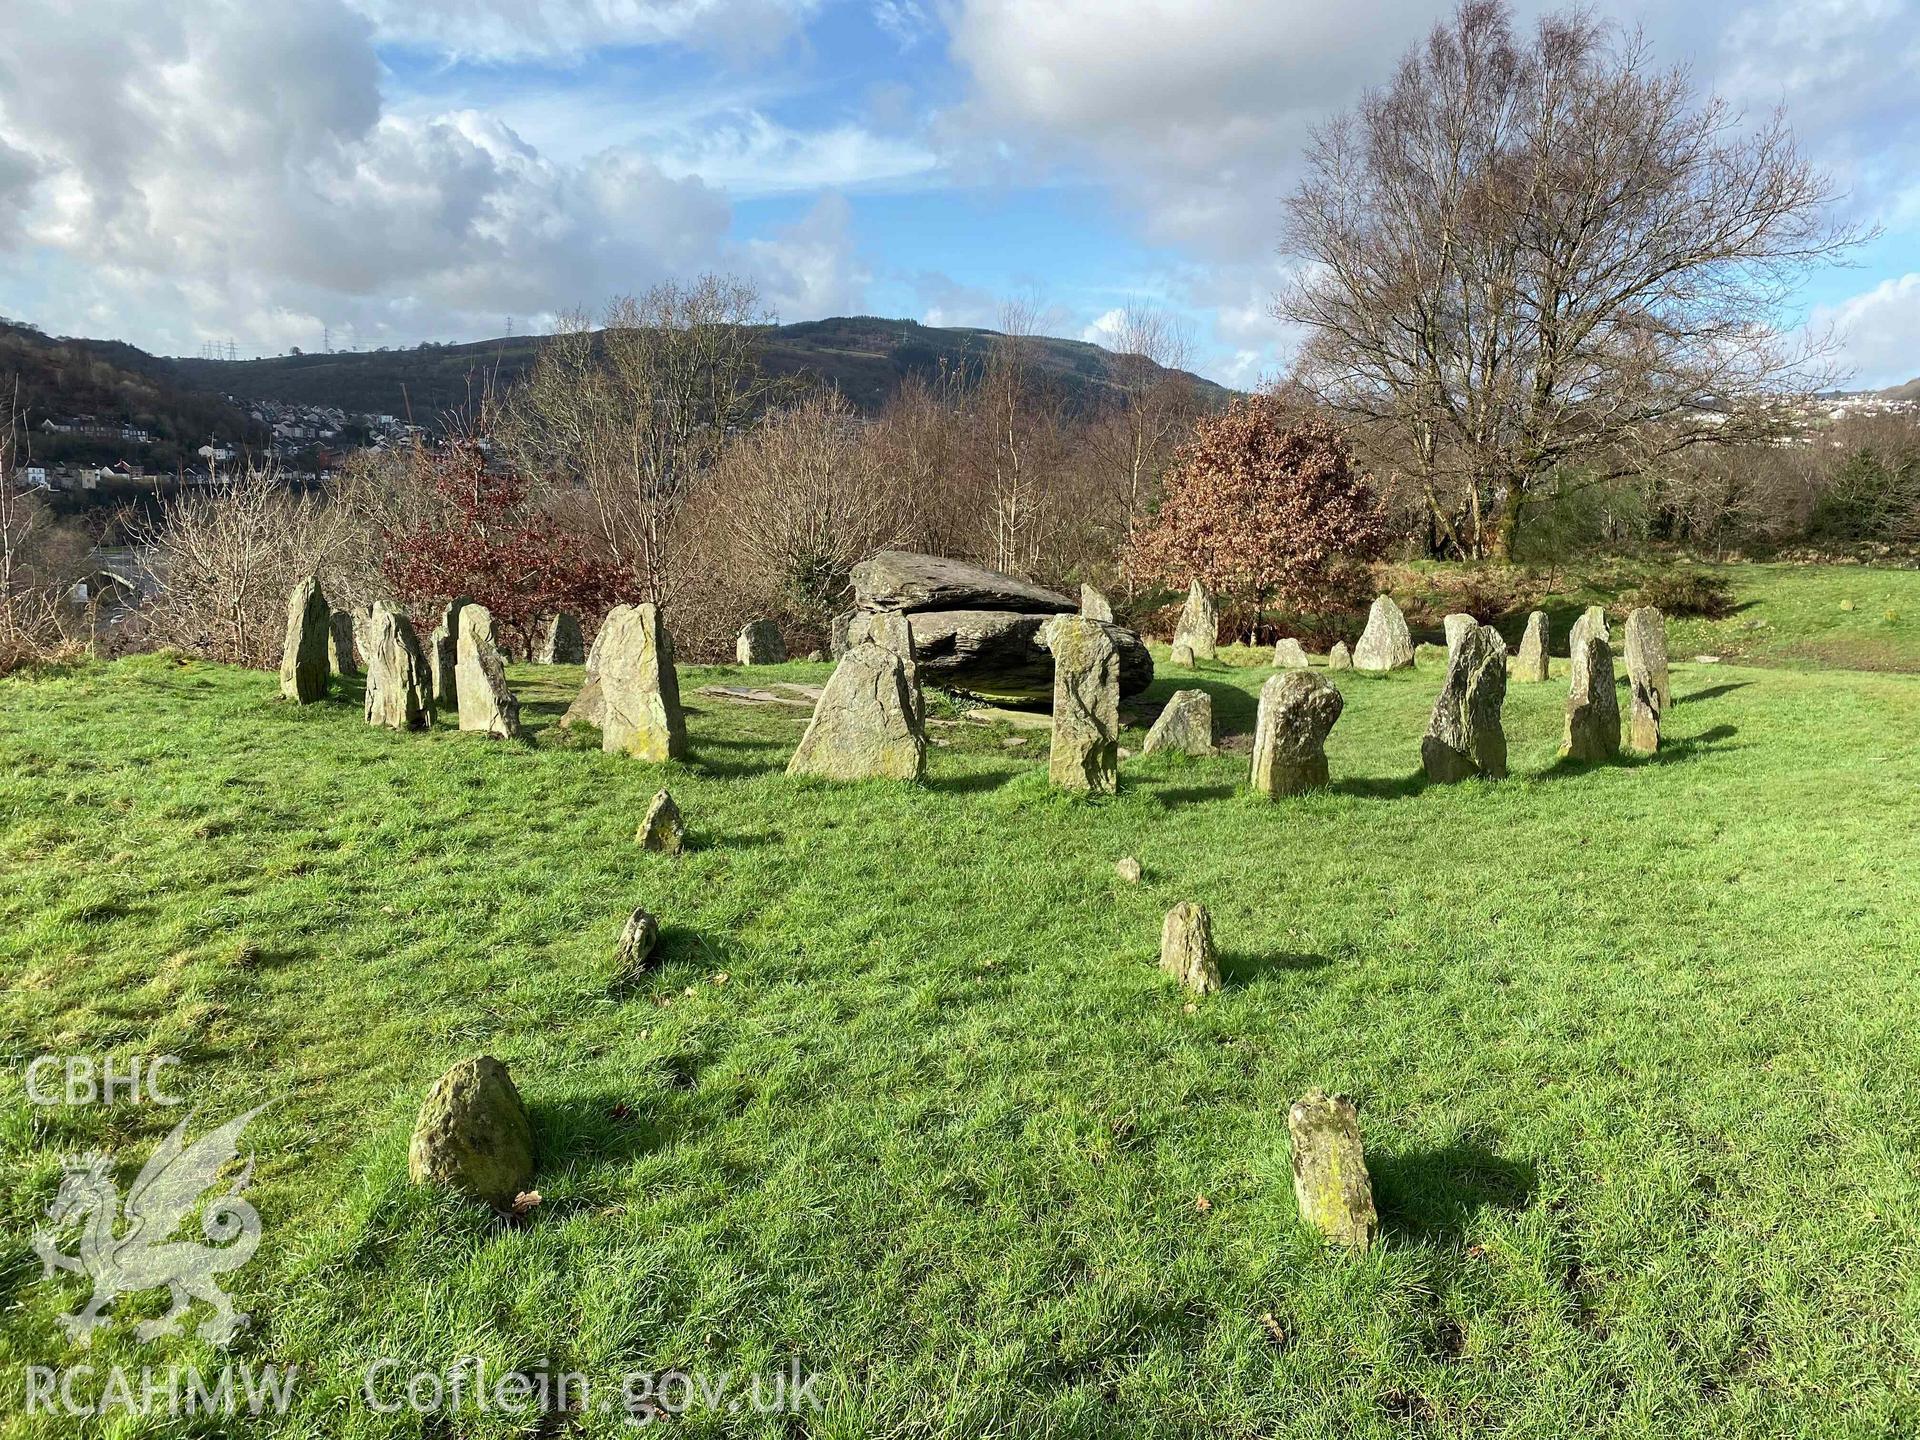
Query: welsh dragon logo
x,y
145,1255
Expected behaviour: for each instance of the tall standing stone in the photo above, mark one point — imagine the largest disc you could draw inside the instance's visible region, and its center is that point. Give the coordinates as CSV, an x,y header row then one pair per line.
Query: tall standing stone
x,y
474,1134
639,688
1297,709
1289,655
1184,727
1593,710
1530,664
340,644
1095,606
1186,948
1386,643
487,706
589,706
866,724
1086,706
1464,736
562,642
1648,687
1330,1180
893,632
1339,657
1199,626
1592,622
1458,625
443,654
759,643
303,658
399,683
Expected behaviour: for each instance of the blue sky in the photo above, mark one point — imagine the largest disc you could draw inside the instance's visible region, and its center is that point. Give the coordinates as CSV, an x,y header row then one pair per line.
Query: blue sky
x,y
178,172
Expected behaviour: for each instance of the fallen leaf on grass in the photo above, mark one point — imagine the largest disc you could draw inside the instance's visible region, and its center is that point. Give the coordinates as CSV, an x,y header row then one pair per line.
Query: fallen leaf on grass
x,y
525,1201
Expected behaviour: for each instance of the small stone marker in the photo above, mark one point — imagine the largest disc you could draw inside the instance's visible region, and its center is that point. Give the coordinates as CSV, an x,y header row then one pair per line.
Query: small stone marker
x,y
1386,643
1297,709
1330,1180
760,643
837,634
1464,736
1186,948
1094,605
589,706
1593,710
1592,621
1530,665
303,658
1288,655
399,684
443,654
474,1134
662,830
1458,625
1649,687
867,722
1086,706
1182,655
639,688
637,939
562,643
1339,657
1184,727
487,706
1199,626
1128,869
340,644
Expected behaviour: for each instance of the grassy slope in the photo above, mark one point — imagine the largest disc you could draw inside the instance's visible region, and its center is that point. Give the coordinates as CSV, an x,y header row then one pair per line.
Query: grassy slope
x,y
1633,1048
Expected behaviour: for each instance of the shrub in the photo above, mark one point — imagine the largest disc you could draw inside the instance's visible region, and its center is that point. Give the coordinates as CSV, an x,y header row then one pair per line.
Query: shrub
x,y
1688,592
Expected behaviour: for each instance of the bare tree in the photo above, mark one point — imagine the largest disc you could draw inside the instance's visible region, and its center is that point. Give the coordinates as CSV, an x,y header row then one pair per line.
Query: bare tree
x,y
637,409
1533,266
1155,406
40,559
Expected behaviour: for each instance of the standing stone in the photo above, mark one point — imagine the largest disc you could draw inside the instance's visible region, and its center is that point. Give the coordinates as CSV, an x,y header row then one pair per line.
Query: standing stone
x,y
362,631
589,706
639,688
1531,663
474,1134
303,658
1086,706
1339,657
487,706
443,654
1186,948
1288,655
866,724
1386,643
340,646
562,643
1648,685
638,936
1297,709
760,643
1458,625
1184,727
1464,737
1592,621
1095,606
1128,869
1330,1180
1199,625
837,634
399,684
1182,655
1593,710
893,632
662,830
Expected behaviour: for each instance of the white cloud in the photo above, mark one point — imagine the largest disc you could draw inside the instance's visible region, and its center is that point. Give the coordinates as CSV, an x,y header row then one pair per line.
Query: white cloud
x,y
810,268
751,155
498,30
1878,332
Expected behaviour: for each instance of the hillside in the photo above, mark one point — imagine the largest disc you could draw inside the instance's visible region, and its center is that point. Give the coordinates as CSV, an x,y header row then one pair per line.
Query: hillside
x,y
865,357
115,388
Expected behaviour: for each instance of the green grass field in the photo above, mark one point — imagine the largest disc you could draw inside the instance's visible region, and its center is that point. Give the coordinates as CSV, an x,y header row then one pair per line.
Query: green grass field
x,y
910,1104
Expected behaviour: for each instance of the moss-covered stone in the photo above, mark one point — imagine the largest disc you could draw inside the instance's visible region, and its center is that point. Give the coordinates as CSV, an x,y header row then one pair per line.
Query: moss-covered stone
x,y
1330,1180
474,1134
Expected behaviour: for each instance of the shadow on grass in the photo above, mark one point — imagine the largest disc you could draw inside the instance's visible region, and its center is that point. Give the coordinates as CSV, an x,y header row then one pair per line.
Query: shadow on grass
x,y
1243,968
1233,708
1434,1194
1193,794
1668,754
597,1128
1382,787
978,783
744,766
1712,692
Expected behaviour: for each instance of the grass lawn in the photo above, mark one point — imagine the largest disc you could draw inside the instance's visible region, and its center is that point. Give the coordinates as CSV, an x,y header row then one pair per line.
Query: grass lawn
x,y
910,1104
